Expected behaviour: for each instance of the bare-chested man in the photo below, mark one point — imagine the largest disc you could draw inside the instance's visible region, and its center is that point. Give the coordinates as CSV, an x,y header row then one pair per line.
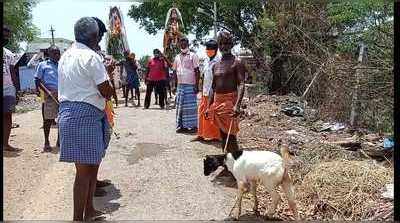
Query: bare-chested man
x,y
228,88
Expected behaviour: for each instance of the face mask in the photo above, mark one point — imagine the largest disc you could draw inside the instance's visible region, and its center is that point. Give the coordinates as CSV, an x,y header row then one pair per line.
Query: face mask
x,y
211,53
186,50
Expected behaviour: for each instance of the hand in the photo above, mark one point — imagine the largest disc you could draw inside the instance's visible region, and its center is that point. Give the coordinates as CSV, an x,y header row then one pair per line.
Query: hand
x,y
236,111
207,113
196,90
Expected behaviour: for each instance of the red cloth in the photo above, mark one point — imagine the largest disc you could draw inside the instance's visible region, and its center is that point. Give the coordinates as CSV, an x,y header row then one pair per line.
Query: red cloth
x,y
157,70
207,129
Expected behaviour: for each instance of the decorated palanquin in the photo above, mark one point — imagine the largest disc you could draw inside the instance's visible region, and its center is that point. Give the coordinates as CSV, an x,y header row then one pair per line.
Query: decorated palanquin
x,y
116,41
172,33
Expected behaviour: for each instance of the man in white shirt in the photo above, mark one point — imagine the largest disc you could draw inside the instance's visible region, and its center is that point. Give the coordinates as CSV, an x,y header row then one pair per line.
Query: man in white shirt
x,y
207,130
83,88
186,66
9,92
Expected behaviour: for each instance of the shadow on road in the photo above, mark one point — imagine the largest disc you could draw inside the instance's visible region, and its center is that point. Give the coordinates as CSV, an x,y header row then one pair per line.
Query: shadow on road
x,y
12,153
108,203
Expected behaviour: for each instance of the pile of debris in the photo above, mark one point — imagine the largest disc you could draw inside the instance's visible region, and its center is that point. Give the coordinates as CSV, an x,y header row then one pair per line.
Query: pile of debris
x,y
323,150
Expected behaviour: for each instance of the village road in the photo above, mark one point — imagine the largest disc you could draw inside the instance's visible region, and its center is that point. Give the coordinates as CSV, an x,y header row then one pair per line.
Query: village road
x,y
156,174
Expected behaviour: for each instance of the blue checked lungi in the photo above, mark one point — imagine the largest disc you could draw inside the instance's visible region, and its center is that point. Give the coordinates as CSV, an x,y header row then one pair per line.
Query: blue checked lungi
x,y
84,133
186,107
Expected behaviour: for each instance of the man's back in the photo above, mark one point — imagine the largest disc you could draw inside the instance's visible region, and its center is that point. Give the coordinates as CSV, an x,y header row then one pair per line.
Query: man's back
x,y
80,71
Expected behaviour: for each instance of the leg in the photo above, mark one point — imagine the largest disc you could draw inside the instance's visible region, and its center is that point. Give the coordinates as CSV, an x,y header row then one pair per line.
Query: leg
x,y
7,122
253,185
114,93
287,187
132,93
275,200
138,96
161,97
126,94
123,91
89,208
240,196
149,91
81,189
46,129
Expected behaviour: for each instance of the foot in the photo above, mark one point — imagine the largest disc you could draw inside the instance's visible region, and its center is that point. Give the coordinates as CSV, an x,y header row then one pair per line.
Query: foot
x,y
47,147
197,139
103,183
126,105
100,192
10,148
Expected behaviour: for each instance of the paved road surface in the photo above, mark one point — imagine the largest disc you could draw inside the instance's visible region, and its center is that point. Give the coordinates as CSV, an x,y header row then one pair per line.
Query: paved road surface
x,y
156,173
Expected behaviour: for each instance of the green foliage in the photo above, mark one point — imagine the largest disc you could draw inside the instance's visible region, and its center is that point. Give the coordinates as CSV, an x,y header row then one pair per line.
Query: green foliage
x,y
360,20
144,60
17,14
239,17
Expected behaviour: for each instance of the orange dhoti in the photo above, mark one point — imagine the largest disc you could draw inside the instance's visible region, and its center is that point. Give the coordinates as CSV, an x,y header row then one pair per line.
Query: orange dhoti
x,y
221,112
207,129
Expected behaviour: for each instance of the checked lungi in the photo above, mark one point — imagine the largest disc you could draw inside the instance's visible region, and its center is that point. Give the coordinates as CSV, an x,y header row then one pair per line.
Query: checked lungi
x,y
84,133
50,107
186,107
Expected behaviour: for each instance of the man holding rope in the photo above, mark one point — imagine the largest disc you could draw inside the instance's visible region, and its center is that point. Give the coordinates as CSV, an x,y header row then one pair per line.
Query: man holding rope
x,y
46,79
228,87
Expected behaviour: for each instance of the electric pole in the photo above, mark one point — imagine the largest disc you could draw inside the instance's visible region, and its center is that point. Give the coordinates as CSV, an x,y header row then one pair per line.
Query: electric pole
x,y
52,35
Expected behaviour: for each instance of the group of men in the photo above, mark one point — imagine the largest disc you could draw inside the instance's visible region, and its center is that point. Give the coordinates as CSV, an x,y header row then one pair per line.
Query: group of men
x,y
223,88
77,86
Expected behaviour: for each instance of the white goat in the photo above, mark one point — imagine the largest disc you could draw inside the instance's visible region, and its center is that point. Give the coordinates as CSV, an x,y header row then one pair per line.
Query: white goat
x,y
253,167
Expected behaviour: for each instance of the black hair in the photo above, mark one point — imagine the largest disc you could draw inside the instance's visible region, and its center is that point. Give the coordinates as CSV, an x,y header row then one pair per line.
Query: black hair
x,y
102,27
184,38
53,47
212,44
156,51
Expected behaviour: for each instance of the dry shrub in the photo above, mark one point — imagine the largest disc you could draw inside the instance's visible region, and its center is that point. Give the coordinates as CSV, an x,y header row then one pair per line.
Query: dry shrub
x,y
345,190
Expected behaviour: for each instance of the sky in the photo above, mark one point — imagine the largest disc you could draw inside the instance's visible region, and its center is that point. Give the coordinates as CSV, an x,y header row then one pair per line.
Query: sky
x,y
62,15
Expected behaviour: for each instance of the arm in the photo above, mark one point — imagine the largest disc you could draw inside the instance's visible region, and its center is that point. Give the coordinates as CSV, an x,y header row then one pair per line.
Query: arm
x,y
105,89
197,73
196,63
100,77
240,72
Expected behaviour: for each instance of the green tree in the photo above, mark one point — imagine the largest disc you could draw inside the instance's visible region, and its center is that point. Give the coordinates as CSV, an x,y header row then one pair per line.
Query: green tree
x,y
17,14
239,17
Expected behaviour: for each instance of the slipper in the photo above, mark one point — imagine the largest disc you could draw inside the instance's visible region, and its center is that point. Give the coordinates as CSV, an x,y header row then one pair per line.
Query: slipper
x,y
197,139
96,218
103,183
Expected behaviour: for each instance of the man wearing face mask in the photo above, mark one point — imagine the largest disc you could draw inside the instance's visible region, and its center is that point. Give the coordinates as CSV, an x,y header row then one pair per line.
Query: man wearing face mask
x,y
186,66
9,92
46,76
207,130
228,87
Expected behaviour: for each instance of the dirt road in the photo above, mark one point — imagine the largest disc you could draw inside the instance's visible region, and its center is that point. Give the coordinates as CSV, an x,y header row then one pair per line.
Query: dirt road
x,y
156,174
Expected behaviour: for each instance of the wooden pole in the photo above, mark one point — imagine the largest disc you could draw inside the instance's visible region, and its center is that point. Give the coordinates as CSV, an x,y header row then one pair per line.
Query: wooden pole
x,y
354,103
